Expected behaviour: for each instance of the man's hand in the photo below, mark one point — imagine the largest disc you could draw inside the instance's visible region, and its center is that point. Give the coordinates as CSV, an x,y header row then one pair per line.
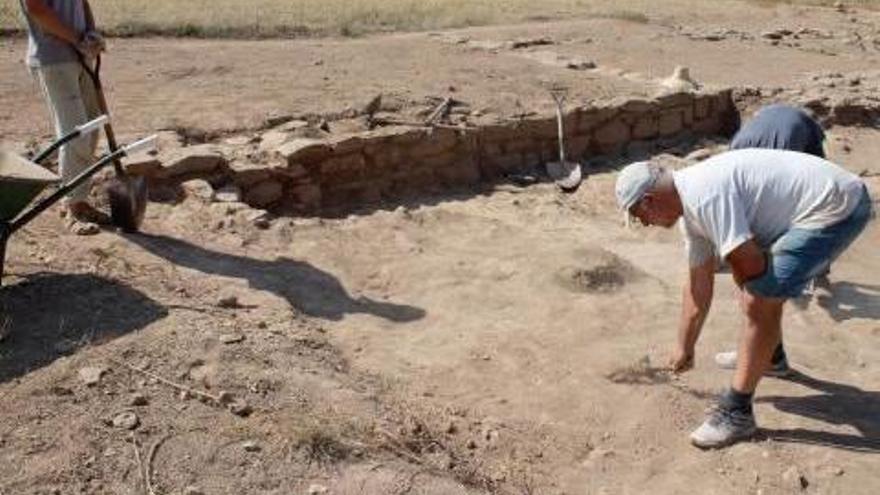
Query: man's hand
x,y
92,44
682,362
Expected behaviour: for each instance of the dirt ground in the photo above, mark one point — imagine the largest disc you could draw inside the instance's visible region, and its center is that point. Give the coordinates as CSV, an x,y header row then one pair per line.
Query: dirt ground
x,y
505,341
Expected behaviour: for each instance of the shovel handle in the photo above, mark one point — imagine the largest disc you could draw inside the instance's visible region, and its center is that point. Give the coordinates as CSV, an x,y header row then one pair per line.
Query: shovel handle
x,y
95,75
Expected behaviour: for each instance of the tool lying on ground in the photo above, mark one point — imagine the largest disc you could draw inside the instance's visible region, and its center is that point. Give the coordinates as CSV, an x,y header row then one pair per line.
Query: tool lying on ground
x,y
566,174
127,194
21,180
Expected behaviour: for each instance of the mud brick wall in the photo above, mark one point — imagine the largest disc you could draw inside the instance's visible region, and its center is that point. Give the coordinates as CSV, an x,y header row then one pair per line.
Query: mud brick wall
x,y
393,162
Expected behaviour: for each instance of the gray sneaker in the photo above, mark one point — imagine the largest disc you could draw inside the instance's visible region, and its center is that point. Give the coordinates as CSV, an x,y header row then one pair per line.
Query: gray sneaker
x,y
727,361
724,427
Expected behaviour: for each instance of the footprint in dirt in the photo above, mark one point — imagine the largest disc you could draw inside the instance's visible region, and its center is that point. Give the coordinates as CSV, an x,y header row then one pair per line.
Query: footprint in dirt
x,y
599,271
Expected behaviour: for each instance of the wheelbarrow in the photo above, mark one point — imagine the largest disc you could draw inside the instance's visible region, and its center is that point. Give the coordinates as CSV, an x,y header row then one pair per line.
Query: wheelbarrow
x,y
22,180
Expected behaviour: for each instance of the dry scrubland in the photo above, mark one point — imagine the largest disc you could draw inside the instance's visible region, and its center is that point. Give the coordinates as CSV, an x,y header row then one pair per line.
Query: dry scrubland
x,y
272,18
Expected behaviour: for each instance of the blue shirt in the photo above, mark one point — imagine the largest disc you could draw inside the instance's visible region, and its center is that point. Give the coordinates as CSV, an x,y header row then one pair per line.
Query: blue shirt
x,y
781,127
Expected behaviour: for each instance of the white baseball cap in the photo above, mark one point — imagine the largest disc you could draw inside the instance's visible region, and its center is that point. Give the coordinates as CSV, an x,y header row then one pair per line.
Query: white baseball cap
x,y
633,182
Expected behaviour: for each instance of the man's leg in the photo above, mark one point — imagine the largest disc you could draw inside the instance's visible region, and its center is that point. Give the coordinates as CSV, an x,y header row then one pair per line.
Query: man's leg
x,y
63,90
758,340
733,418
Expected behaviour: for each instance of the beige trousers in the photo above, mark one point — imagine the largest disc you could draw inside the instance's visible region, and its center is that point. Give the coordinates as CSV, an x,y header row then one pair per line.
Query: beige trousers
x,y
72,101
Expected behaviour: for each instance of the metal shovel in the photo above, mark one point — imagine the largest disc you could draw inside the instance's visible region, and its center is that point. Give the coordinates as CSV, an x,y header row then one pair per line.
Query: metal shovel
x,y
566,174
127,194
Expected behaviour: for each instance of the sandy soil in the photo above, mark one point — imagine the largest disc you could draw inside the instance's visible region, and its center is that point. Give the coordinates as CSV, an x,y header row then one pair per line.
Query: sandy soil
x,y
503,342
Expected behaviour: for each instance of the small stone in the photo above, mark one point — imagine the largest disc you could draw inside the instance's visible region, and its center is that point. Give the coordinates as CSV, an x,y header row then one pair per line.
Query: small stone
x,y
225,397
240,407
91,375
452,428
228,194
231,338
261,219
198,188
61,391
262,325
138,400
184,395
794,479
228,302
471,444
126,420
278,119
193,490
251,446
316,489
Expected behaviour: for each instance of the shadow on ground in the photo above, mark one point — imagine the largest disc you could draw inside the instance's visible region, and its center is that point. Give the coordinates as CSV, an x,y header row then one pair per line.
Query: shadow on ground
x,y
47,316
836,404
306,288
850,300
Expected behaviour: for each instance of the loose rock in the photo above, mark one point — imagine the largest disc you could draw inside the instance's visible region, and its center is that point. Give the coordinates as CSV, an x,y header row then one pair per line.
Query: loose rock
x,y
193,490
240,407
126,420
200,159
91,375
228,302
251,446
794,479
199,188
231,338
316,489
138,400
228,194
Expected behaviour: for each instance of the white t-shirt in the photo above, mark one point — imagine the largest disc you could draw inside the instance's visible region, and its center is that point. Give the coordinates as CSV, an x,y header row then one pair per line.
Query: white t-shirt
x,y
759,194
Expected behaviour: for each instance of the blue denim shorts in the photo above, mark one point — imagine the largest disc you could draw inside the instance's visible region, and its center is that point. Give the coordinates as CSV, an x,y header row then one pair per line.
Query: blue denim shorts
x,y
799,255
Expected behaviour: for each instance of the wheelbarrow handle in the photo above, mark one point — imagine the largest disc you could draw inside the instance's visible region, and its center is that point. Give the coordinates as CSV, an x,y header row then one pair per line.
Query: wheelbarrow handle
x,y
82,130
138,146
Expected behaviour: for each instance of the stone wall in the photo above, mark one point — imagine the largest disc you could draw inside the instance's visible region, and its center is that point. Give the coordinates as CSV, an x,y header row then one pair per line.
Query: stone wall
x,y
394,162
390,163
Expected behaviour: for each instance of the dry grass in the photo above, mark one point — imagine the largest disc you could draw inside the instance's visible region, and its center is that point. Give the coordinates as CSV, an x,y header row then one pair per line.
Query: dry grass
x,y
280,18
293,18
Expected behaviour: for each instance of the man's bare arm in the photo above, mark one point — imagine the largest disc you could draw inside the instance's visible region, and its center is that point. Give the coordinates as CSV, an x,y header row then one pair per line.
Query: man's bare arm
x,y
747,262
696,301
49,22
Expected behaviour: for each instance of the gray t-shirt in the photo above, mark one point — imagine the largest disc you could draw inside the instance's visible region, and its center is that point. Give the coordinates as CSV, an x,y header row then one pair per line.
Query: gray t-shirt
x,y
45,49
760,194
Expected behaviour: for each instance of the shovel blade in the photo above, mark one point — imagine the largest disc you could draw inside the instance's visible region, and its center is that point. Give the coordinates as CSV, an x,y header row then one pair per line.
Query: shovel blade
x,y
567,175
128,202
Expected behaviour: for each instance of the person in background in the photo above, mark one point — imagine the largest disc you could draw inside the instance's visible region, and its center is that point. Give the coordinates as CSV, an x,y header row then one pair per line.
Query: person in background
x,y
61,38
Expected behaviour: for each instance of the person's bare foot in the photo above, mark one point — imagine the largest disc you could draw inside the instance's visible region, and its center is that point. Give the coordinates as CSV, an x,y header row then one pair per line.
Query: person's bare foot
x,y
85,219
84,212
